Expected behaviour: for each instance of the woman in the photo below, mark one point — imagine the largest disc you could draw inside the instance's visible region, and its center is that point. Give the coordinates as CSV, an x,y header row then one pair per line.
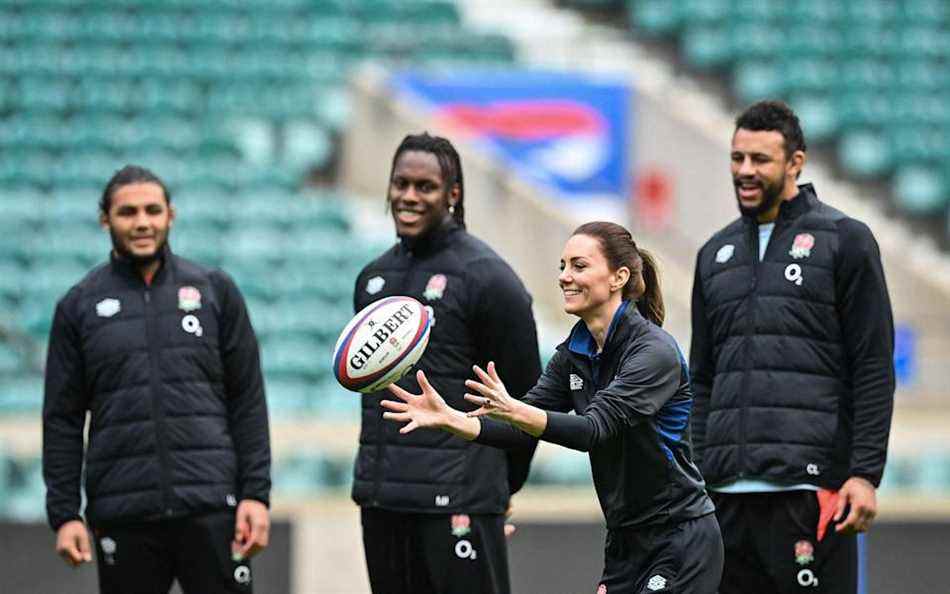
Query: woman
x,y
627,382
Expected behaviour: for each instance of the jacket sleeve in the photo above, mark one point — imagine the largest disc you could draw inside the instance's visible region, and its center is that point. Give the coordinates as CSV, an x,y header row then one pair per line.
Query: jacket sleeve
x,y
548,394
506,334
244,385
65,402
867,327
701,364
648,377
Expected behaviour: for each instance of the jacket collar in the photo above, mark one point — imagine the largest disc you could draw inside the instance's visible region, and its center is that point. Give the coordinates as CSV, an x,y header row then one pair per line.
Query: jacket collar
x,y
128,269
432,241
581,341
789,210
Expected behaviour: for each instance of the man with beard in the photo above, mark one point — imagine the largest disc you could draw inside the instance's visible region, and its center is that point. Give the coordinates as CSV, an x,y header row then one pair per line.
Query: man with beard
x,y
159,351
792,370
432,504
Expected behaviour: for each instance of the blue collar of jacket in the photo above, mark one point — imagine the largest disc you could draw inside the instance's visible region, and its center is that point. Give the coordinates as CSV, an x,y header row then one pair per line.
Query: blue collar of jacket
x,y
581,341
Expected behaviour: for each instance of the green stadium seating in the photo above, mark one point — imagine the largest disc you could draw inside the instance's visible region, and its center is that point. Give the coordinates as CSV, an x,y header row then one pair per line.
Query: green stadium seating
x,y
865,154
868,76
10,362
24,394
656,17
301,474
233,103
27,501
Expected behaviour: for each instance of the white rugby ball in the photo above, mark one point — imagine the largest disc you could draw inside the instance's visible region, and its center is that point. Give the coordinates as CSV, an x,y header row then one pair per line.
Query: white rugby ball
x,y
381,344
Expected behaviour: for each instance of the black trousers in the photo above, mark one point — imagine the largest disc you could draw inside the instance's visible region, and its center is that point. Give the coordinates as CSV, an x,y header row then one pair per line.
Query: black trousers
x,y
435,553
144,558
772,546
684,558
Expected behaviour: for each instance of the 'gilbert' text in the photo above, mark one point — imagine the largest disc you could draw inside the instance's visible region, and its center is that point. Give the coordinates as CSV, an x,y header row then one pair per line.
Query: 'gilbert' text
x,y
392,323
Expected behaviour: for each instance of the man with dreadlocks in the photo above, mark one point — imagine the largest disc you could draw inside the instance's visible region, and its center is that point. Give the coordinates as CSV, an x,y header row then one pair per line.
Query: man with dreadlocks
x,y
433,505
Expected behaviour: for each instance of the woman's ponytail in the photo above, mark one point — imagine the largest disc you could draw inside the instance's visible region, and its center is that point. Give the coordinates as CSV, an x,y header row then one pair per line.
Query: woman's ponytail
x,y
650,303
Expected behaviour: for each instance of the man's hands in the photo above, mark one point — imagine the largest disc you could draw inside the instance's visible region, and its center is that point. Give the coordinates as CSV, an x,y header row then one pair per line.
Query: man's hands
x,y
860,494
72,543
510,528
251,529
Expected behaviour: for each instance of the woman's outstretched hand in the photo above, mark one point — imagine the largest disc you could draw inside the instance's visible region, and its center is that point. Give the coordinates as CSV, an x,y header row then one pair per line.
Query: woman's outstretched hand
x,y
425,410
493,400
492,397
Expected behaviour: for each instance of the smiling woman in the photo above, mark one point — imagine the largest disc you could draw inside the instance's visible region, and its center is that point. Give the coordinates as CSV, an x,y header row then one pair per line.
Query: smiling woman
x,y
626,381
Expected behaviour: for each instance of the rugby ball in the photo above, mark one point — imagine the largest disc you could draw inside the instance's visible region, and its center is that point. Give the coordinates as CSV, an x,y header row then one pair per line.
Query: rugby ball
x,y
381,344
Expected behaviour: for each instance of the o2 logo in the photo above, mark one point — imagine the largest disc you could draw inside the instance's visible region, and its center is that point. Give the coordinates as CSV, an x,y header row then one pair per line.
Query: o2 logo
x,y
465,550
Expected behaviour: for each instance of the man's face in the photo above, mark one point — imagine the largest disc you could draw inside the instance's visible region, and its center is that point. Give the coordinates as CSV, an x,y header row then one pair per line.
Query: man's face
x,y
759,169
138,221
418,198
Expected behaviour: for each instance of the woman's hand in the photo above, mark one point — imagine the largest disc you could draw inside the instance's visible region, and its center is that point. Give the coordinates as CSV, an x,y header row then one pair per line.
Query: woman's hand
x,y
427,410
494,400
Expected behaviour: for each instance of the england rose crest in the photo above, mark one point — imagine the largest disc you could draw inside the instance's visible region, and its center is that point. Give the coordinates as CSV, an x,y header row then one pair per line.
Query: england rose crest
x,y
461,525
435,288
804,552
189,299
801,247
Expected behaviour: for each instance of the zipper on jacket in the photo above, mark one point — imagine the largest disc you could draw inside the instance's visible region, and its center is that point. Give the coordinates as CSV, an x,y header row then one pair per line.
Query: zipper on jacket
x,y
158,416
753,242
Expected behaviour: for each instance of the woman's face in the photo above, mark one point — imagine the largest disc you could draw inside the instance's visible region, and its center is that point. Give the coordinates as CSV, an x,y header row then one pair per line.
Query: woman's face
x,y
585,278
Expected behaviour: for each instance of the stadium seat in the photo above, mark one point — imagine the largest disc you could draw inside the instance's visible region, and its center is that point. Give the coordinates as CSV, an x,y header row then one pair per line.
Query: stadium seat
x,y
864,154
306,145
295,357
22,394
287,398
27,498
707,47
656,17
920,190
301,474
756,80
10,362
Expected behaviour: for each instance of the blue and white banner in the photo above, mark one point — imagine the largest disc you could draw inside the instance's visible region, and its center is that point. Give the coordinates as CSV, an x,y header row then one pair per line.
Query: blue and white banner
x,y
567,131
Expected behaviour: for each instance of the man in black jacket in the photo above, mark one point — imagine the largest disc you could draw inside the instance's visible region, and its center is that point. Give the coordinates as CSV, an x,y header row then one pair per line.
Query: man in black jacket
x,y
432,504
160,352
792,369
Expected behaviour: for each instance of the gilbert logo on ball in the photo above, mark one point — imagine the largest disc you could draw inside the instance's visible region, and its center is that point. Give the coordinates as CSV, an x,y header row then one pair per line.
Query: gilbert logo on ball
x,y
381,343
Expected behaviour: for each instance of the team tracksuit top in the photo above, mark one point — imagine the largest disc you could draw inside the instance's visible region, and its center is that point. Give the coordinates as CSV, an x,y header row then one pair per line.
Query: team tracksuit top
x,y
481,312
792,356
632,403
171,375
